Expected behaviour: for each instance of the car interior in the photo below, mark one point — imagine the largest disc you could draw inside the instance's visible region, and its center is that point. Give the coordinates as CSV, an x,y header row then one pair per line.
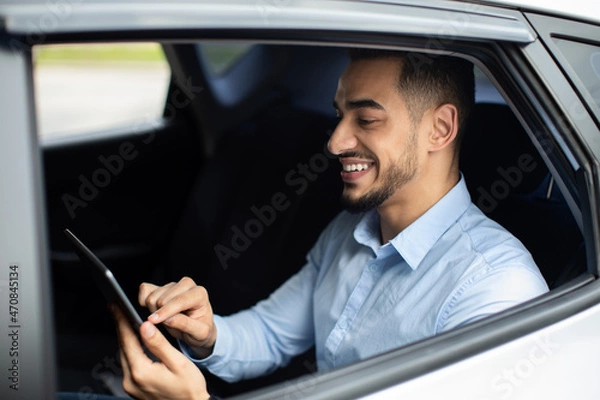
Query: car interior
x,y
190,194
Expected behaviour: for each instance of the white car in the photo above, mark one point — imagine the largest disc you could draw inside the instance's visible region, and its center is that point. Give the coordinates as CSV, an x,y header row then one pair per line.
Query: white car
x,y
229,181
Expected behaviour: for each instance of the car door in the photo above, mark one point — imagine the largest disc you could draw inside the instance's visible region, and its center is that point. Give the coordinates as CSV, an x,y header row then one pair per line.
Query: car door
x,y
511,355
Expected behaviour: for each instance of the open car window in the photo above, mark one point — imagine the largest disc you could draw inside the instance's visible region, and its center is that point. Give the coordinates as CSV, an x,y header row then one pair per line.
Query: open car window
x,y
296,187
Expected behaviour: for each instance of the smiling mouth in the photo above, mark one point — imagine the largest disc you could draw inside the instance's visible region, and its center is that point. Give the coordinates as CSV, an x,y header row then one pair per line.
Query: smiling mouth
x,y
352,170
356,167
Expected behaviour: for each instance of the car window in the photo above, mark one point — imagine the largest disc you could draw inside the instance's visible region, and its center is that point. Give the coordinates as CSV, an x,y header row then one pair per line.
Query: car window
x,y
220,57
584,58
92,87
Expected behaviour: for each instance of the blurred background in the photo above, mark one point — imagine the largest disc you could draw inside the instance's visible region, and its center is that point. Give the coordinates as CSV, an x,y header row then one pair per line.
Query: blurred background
x,y
90,87
97,87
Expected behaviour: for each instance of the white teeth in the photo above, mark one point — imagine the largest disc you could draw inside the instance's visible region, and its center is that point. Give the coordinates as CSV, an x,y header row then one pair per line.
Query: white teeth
x,y
355,167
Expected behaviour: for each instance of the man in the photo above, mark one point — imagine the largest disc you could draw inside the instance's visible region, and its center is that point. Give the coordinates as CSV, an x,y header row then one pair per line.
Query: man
x,y
413,257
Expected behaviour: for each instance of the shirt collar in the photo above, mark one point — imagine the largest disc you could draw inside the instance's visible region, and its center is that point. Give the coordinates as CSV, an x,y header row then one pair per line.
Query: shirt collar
x,y
415,241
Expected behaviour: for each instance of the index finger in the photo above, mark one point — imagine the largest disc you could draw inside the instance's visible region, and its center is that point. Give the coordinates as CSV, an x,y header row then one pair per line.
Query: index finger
x,y
145,290
192,300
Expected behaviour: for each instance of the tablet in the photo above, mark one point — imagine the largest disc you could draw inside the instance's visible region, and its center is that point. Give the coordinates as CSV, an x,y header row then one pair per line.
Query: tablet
x,y
105,280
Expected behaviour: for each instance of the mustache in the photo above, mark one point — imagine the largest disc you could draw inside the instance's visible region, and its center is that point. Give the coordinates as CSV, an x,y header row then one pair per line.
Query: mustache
x,y
356,154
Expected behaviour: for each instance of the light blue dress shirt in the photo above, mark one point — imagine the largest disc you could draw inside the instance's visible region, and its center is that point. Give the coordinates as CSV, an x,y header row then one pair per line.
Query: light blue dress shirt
x,y
356,297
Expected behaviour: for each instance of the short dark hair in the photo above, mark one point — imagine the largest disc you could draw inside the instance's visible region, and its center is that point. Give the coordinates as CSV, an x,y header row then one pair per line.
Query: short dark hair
x,y
430,80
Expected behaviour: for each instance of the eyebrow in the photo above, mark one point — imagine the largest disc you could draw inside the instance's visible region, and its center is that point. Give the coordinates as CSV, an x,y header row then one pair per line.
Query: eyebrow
x,y
362,103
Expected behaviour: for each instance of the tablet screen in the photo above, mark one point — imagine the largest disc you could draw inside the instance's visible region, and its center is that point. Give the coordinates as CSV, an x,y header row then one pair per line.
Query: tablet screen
x,y
105,280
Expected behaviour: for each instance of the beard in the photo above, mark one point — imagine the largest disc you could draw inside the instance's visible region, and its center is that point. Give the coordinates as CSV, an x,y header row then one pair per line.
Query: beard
x,y
398,175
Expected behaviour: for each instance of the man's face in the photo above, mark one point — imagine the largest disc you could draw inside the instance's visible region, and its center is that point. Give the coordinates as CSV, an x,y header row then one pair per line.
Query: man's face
x,y
375,140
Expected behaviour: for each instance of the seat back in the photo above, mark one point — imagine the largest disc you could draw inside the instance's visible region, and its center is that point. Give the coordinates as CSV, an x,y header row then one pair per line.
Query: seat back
x,y
256,209
509,181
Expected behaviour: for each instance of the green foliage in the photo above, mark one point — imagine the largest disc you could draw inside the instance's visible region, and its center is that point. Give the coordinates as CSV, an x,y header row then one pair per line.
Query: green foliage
x,y
114,53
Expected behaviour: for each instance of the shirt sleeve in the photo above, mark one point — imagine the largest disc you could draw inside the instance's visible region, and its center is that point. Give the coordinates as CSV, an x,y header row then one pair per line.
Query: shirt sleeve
x,y
491,293
256,341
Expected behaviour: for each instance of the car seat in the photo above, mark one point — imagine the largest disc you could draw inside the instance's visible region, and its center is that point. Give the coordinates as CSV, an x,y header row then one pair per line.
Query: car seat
x,y
508,180
256,208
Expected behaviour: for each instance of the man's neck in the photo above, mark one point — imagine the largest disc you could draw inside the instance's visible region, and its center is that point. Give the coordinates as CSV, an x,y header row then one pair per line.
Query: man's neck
x,y
409,204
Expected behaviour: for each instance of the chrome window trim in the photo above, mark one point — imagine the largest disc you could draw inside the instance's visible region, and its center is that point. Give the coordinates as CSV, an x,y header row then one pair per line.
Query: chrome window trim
x,y
458,20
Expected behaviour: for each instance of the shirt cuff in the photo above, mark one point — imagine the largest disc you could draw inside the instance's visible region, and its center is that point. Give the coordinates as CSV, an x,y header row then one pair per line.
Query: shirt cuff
x,y
220,351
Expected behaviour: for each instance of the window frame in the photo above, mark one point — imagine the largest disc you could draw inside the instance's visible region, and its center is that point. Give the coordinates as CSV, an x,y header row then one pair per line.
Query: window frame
x,y
554,28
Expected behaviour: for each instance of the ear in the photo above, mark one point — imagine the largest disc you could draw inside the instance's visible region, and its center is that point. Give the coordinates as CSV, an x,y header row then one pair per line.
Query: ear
x,y
445,127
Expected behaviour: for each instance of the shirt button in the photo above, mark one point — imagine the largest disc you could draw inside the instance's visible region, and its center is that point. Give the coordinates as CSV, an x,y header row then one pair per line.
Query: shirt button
x,y
373,267
343,325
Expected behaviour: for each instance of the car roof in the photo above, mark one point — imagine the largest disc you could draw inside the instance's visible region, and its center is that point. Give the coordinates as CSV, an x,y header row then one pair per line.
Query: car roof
x,y
583,9
578,9
41,20
41,17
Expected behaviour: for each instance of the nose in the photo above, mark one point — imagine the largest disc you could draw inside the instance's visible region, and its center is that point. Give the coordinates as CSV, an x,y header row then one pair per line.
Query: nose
x,y
342,139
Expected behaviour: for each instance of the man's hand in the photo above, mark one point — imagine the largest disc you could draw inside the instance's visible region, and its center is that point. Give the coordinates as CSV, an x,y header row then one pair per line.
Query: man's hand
x,y
174,377
183,307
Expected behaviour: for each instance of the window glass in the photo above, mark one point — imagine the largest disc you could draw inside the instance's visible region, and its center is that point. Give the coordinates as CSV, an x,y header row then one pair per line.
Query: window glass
x,y
92,87
220,57
585,60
